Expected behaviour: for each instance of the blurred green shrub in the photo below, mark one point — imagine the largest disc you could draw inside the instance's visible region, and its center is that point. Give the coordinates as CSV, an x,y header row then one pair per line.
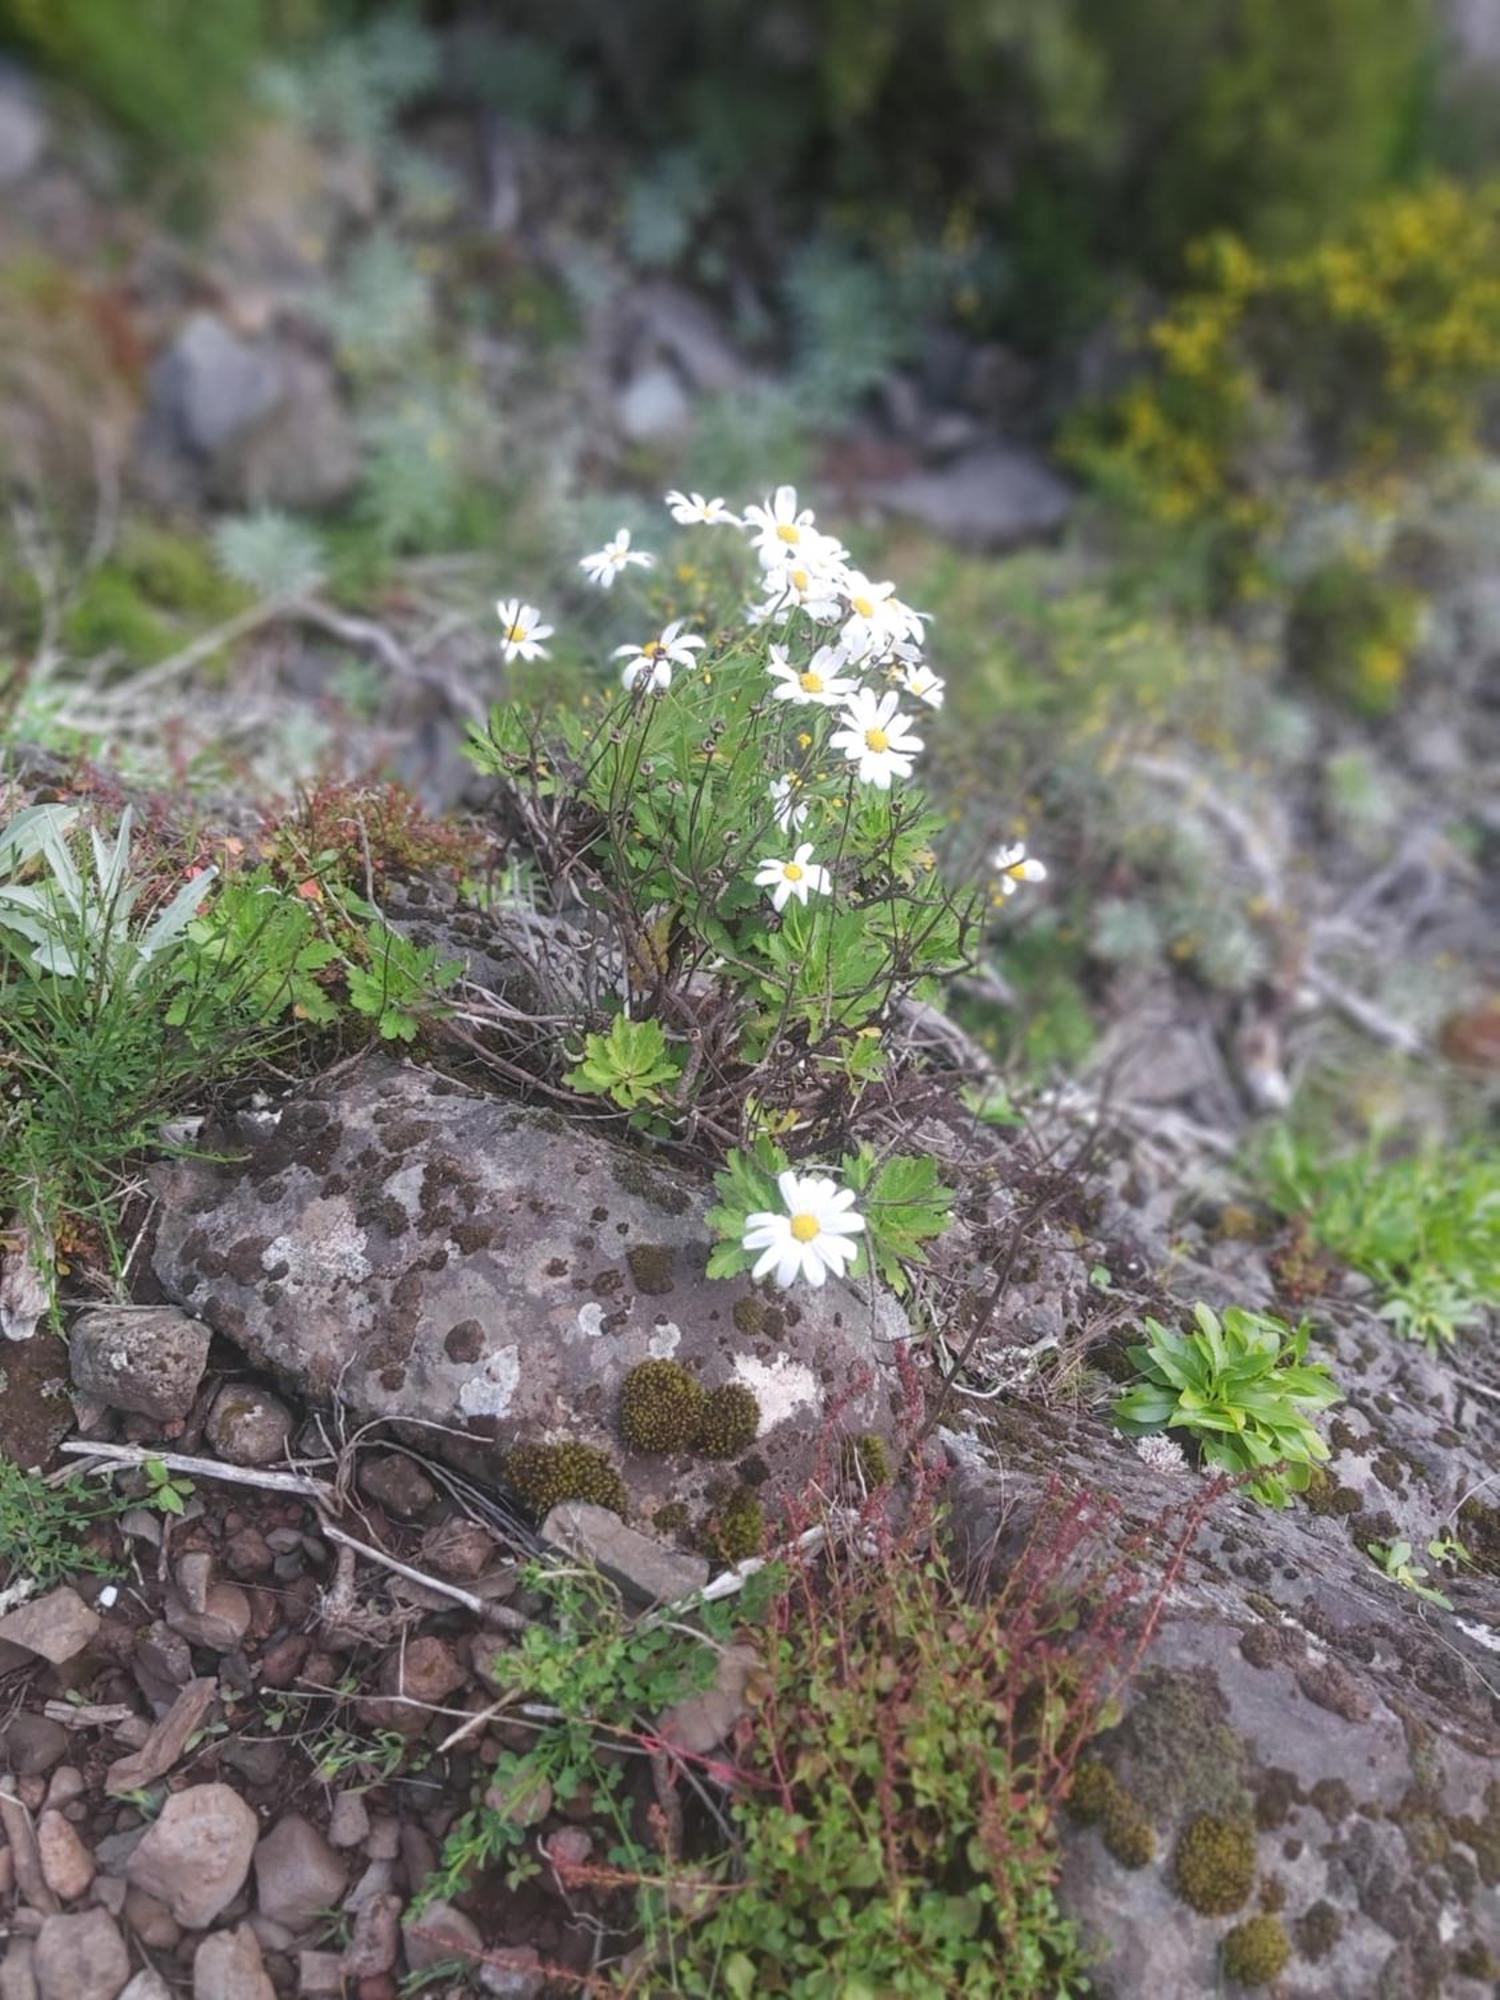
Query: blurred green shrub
x,y
175,74
1354,631
1334,372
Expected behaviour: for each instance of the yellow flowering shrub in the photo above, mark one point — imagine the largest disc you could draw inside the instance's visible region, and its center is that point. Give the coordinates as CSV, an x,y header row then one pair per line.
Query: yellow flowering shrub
x,y
1332,372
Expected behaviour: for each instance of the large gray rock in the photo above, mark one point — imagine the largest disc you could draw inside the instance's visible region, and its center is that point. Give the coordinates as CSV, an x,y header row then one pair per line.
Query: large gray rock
x,y
419,1251
215,385
148,1359
229,1966
298,1877
993,497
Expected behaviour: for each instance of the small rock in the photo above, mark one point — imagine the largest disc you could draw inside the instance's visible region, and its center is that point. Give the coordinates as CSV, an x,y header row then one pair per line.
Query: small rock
x,y
459,1549
228,1966
523,1797
220,1625
147,1985
247,1555
195,1572
67,1865
23,127
57,1626
425,1671
700,1721
212,387
384,1843
297,1874
80,1958
258,1763
653,404
398,1484
146,1359
320,1973
196,1855
305,455
110,1893
644,1569
376,1941
248,1426
152,1922
280,1664
17,1970
32,1744
349,1822
569,1847
993,497
438,1932
513,1972
66,1784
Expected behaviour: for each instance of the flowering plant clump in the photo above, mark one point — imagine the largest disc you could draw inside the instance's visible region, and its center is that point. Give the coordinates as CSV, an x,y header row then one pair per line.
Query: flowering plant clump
x,y
741,820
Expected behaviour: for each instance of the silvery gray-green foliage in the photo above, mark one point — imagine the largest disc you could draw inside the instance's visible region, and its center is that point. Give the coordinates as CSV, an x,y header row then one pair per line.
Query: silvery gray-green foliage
x,y
846,328
350,90
271,553
379,309
76,921
1126,932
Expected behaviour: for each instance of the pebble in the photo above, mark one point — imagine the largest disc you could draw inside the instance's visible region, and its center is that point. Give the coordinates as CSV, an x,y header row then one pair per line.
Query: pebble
x,y
247,1555
67,1865
375,1943
147,1985
65,1785
220,1625
56,1626
349,1822
32,1743
228,1966
513,1972
424,1670
320,1973
644,1569
297,1874
460,1550
151,1921
196,1855
80,1958
439,1932
249,1426
398,1484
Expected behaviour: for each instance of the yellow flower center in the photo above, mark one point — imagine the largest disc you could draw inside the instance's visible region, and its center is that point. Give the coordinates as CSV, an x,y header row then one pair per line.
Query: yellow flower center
x,y
1017,871
800,579
652,648
806,1227
811,683
863,606
792,871
789,534
877,740
516,633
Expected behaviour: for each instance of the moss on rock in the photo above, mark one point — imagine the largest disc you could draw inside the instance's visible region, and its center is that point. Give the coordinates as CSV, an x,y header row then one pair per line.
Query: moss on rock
x,y
545,1475
728,1422
1215,1864
737,1530
661,1405
1257,1951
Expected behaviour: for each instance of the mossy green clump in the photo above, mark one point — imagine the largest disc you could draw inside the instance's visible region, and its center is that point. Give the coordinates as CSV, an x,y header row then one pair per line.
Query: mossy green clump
x,y
737,1530
545,1475
1215,1864
671,1519
728,1422
661,1405
867,1461
1099,1799
1318,1931
1256,1951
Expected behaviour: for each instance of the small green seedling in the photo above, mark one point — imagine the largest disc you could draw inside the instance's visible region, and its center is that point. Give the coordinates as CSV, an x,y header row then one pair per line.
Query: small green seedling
x,y
167,1491
1396,1559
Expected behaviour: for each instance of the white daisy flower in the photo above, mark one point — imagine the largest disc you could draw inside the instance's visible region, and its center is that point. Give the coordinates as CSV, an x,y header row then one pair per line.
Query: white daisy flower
x,y
521,630
807,585
797,877
779,525
922,682
878,622
820,683
813,1237
786,808
654,661
1016,866
877,738
692,510
605,564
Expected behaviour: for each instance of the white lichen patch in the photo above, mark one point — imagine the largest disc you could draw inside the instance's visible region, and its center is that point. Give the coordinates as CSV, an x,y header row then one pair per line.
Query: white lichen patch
x,y
782,1387
327,1244
591,1318
405,1185
664,1341
491,1392
1482,1635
